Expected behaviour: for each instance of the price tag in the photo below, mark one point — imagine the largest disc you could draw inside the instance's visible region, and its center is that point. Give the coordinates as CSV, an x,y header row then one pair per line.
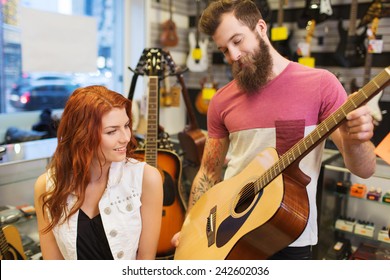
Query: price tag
x,y
375,46
279,33
197,54
308,61
303,49
208,93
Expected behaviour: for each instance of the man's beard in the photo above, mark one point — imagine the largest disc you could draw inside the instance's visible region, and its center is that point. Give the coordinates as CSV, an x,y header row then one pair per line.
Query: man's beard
x,y
253,70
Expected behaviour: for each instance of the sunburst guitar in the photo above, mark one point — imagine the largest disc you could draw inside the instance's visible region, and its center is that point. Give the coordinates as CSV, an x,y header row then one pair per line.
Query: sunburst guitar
x,y
164,160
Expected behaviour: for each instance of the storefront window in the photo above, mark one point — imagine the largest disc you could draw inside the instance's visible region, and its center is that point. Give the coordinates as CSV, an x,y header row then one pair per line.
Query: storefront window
x,y
41,67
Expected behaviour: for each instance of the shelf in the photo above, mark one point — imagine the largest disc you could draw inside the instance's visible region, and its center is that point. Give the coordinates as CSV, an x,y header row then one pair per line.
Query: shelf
x,y
363,237
362,199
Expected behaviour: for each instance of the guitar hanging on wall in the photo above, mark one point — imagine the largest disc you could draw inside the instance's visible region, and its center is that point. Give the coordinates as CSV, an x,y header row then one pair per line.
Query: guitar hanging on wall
x,y
192,139
350,51
197,59
373,104
265,207
318,10
168,37
166,161
280,36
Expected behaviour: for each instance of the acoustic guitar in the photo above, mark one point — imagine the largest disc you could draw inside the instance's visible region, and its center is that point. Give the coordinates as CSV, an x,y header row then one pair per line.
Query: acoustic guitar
x,y
168,37
166,161
11,246
265,207
350,51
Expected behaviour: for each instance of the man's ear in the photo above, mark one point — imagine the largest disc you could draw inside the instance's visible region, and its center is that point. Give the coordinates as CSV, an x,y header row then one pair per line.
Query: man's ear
x,y
261,28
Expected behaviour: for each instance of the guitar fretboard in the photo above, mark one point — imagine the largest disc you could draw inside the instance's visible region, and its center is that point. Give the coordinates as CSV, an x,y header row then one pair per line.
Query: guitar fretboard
x,y
152,129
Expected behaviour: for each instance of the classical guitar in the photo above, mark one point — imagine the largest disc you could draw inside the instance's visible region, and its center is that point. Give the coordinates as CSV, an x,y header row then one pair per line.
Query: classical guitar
x,y
197,59
373,104
265,207
165,160
11,246
351,49
280,35
168,37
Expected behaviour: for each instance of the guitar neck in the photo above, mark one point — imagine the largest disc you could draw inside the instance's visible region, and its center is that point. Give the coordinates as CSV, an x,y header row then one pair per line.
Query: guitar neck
x,y
352,18
152,128
280,13
193,124
324,129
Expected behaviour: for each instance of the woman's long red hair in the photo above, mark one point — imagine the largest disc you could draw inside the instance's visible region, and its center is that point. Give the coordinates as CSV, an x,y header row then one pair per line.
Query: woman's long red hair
x,y
79,137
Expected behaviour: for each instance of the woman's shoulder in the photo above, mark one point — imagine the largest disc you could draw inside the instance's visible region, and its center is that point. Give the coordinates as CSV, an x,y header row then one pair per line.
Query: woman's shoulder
x,y
152,175
40,184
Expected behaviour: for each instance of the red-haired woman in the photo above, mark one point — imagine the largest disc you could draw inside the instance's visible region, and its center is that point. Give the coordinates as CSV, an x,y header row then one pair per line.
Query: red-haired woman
x,y
96,201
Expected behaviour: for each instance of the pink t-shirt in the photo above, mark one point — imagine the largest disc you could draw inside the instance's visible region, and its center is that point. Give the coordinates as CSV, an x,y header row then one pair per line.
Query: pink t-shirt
x,y
282,113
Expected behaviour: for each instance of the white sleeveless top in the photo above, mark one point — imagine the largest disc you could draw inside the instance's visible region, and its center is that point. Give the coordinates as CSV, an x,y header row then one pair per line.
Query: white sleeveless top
x,y
119,208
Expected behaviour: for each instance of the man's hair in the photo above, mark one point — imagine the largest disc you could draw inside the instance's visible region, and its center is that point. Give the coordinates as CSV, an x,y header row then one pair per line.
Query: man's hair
x,y
245,11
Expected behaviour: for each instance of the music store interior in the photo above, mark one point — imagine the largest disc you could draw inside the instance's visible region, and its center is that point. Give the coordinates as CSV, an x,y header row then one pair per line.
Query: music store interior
x,y
49,48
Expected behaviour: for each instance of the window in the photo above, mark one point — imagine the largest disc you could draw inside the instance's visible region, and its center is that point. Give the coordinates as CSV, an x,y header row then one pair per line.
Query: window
x,y
40,86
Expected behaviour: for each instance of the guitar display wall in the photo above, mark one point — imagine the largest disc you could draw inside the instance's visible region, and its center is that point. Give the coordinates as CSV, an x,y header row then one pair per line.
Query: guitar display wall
x,y
323,44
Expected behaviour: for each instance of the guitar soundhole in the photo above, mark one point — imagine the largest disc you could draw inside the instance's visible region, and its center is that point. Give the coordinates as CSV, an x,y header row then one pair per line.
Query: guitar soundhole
x,y
247,195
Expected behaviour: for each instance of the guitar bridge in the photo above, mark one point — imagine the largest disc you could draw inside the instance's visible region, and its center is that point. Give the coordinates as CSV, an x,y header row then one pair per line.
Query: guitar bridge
x,y
210,226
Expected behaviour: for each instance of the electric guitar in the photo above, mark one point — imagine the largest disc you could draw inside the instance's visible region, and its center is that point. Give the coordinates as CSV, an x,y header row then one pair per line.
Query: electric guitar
x,y
265,207
11,246
208,89
303,52
166,161
168,37
350,51
197,59
318,10
373,104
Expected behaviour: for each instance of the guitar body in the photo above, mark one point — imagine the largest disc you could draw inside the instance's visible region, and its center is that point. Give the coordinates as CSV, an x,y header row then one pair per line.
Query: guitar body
x,y
11,244
192,141
169,165
351,50
215,228
169,36
197,65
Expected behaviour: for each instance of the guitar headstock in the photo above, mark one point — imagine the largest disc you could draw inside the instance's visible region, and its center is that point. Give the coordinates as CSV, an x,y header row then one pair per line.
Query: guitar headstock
x,y
153,62
150,62
171,64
